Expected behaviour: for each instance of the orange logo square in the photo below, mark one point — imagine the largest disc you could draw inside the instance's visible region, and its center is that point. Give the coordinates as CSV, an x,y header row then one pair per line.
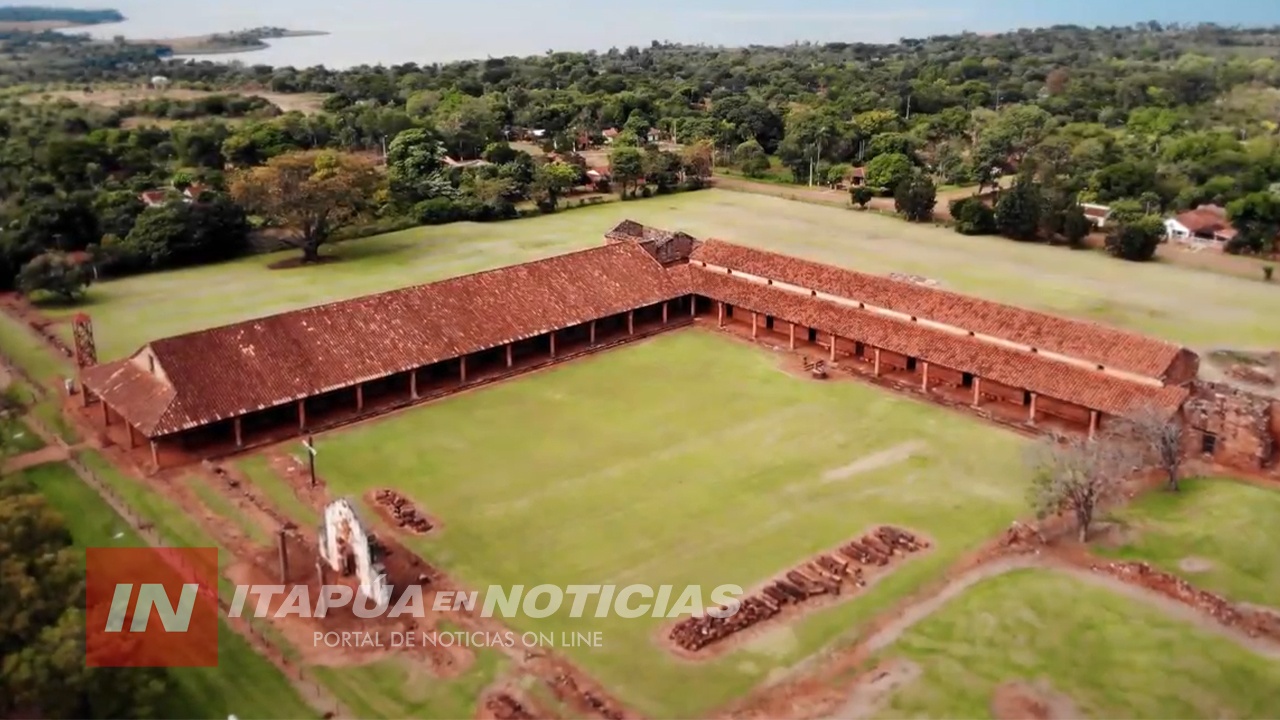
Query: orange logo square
x,y
151,607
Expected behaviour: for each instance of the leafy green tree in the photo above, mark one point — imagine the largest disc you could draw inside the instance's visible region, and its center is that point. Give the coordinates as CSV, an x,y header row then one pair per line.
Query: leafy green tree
x,y
57,274
1018,210
551,181
42,618
1136,240
860,195
310,193
888,171
626,166
915,197
1075,226
415,167
1256,218
752,159
661,169
973,217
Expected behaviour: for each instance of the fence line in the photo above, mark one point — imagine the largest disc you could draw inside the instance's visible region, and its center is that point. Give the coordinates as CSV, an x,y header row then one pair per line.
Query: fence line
x,y
310,689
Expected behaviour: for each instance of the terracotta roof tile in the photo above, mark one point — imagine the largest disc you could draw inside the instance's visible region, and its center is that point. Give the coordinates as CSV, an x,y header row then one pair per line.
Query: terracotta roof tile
x,y
226,371
1021,369
1096,343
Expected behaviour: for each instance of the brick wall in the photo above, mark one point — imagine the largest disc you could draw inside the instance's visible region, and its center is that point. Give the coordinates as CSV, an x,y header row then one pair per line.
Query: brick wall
x,y
1184,368
1000,391
944,375
1061,409
892,361
1240,421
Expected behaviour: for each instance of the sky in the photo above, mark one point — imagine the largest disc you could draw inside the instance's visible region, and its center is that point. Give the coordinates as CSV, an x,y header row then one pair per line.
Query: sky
x,y
391,31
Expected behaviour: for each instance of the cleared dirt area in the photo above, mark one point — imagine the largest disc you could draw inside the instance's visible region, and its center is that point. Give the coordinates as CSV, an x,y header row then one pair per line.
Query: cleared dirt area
x,y
116,96
1031,701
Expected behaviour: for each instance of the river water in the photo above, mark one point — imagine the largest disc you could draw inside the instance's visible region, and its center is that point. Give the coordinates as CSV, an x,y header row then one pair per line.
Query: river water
x,y
425,31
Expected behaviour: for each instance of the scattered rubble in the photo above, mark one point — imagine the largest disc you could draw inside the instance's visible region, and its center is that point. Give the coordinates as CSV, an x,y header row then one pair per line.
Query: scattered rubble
x,y
504,707
402,511
567,689
1022,538
1254,623
827,574
1250,374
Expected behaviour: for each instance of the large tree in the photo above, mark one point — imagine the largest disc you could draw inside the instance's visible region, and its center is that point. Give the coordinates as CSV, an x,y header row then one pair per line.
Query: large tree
x,y
311,194
888,171
42,616
57,274
915,197
415,167
1136,239
1077,474
627,166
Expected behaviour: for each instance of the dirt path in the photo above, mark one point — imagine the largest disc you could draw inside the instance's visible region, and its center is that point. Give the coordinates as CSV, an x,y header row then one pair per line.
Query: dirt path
x,y
46,454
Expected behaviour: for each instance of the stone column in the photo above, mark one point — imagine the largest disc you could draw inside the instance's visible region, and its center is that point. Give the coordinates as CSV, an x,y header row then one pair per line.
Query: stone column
x,y
413,383
1093,423
593,332
693,306
462,366
106,414
155,454
302,414
834,340
877,366
977,391
754,317
1031,416
235,423
509,359
664,312
552,335
631,322
360,397
719,314
924,382
133,434
793,336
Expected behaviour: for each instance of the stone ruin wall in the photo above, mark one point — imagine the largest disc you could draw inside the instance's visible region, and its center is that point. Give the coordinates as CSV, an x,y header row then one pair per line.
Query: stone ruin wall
x,y
1243,422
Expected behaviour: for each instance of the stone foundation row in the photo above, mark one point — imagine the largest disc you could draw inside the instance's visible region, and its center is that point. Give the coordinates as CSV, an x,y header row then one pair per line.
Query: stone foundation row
x,y
827,574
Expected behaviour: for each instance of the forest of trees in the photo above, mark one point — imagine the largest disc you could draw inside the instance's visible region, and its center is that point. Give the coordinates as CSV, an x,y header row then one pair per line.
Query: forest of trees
x,y
1149,119
38,13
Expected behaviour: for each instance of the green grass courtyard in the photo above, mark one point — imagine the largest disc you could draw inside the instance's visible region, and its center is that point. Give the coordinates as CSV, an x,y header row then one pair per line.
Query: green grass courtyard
x,y
688,459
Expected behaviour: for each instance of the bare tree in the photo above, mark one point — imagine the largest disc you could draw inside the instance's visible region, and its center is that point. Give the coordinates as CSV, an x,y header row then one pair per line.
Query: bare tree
x,y
1158,436
1077,474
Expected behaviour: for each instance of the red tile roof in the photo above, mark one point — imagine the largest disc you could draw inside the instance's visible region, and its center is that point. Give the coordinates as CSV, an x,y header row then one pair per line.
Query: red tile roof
x,y
1113,348
1207,220
1016,368
226,371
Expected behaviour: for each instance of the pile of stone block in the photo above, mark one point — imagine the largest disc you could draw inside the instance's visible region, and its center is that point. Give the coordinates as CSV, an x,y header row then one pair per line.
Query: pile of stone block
x,y
402,511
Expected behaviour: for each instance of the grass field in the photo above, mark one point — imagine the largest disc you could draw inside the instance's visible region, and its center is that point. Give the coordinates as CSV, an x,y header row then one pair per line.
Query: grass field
x,y
245,684
1112,655
1217,533
709,465
1194,307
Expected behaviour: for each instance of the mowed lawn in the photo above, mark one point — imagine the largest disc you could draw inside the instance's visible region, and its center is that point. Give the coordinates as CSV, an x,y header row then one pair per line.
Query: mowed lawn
x,y
1113,655
1194,307
685,459
1218,533
244,684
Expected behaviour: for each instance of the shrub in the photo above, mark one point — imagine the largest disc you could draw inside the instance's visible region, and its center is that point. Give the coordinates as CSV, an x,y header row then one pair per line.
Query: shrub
x,y
973,217
436,211
861,195
915,198
1136,240
55,273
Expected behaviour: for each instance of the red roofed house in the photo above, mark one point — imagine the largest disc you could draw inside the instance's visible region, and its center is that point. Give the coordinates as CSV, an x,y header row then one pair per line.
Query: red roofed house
x,y
600,178
610,134
1206,226
154,198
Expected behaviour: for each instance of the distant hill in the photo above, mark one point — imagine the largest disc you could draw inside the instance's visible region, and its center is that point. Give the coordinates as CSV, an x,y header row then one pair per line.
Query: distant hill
x,y
69,16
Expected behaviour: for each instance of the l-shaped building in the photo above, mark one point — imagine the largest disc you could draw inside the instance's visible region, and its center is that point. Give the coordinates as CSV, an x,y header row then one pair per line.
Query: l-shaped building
x,y
217,390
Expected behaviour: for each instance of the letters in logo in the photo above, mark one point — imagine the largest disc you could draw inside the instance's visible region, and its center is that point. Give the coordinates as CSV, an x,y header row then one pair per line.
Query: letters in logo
x,y
151,607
